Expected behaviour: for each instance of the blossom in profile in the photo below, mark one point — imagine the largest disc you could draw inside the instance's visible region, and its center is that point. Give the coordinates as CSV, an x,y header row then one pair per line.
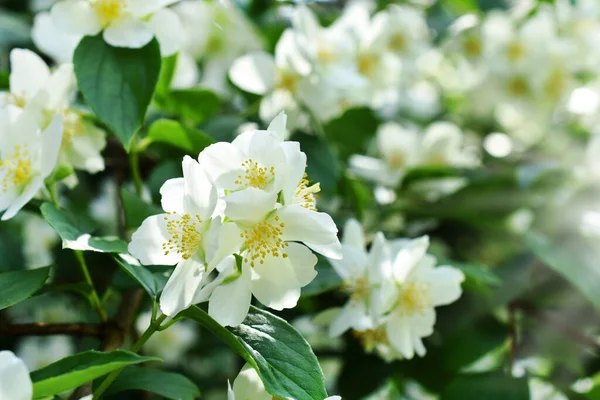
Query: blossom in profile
x,y
15,383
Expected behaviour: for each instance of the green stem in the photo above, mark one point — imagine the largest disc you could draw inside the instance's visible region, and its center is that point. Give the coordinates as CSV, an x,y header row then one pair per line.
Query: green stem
x,y
53,190
94,299
154,326
135,170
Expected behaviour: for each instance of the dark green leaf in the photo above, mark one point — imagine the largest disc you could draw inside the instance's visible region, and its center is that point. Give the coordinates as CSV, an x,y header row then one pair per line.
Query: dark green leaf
x,y
166,384
575,258
73,371
73,238
14,29
191,140
326,280
193,105
167,71
488,386
323,165
351,132
17,286
141,275
117,82
136,209
270,344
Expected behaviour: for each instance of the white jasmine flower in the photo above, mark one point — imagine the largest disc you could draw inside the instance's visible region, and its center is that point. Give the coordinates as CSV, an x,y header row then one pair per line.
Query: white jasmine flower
x,y
38,240
125,23
171,344
248,385
186,235
15,383
82,143
421,288
443,144
51,40
38,352
27,156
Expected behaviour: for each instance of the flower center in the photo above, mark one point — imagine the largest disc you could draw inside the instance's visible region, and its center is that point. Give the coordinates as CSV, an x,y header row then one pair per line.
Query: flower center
x,y
73,126
255,175
108,10
306,195
413,298
556,84
358,290
515,51
325,53
287,81
371,337
264,239
16,168
397,43
472,46
18,101
367,63
185,236
395,159
517,86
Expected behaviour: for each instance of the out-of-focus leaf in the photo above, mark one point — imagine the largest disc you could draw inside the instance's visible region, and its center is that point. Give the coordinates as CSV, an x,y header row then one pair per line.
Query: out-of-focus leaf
x,y
360,194
167,71
16,286
14,29
117,82
4,80
351,132
162,173
270,344
191,140
222,127
73,371
136,209
141,275
489,386
193,105
323,165
327,279
73,238
166,384
575,258
477,277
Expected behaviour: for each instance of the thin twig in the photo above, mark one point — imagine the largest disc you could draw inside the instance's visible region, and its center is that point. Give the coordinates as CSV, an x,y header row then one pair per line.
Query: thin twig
x,y
42,329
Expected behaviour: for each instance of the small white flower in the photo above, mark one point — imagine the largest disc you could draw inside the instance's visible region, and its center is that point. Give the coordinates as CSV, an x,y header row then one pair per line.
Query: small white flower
x,y
125,23
248,385
15,383
27,156
186,235
171,344
39,352
52,40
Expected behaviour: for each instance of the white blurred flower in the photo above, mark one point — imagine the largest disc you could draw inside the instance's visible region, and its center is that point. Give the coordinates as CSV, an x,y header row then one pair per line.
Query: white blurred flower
x,y
248,385
125,23
38,352
15,383
52,40
172,343
27,156
38,240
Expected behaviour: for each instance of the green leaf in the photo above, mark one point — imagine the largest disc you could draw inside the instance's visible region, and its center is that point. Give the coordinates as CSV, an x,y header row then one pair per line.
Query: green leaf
x,y
63,223
136,209
193,105
327,279
488,386
14,29
17,286
167,71
143,276
117,82
575,258
352,131
191,140
322,163
284,360
166,384
73,371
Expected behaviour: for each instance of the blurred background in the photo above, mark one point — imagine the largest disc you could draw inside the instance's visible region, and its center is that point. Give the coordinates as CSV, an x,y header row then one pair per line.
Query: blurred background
x,y
503,98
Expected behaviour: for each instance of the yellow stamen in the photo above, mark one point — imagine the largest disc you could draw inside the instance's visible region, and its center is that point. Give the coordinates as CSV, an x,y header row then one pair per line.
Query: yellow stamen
x,y
108,10
255,175
413,298
185,234
264,240
307,195
17,168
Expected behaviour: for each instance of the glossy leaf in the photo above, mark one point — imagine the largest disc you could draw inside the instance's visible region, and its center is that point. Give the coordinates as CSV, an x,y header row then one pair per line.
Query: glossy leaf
x,y
139,273
191,140
136,209
16,286
117,83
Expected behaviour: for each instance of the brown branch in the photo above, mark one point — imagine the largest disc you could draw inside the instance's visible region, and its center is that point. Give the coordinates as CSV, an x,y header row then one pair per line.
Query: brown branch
x,y
42,329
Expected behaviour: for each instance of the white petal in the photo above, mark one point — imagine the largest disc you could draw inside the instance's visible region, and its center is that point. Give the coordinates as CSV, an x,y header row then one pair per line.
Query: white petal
x,y
128,32
53,40
167,28
250,205
29,73
51,141
60,87
229,303
303,262
200,193
76,17
274,283
352,265
230,394
409,257
182,287
254,73
354,235
352,316
172,193
278,126
143,8
295,165
317,230
444,285
375,170
146,243
380,259
15,383
27,194
223,163
399,334
85,150
248,385
229,242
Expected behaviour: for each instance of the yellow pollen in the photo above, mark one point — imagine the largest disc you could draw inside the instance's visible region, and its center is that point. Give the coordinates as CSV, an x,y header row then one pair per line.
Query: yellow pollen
x,y
397,43
517,86
185,236
357,290
108,10
73,126
15,100
515,51
307,195
264,240
287,81
368,63
556,83
325,54
371,337
472,46
395,159
413,298
255,175
16,168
